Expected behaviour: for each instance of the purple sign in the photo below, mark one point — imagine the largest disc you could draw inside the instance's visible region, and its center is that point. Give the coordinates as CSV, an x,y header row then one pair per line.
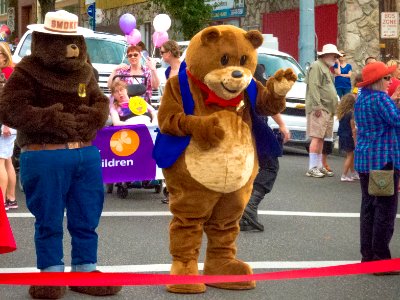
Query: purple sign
x,y
126,153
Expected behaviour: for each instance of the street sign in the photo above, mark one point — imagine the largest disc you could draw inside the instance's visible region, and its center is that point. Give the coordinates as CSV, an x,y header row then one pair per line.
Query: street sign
x,y
91,10
389,25
11,18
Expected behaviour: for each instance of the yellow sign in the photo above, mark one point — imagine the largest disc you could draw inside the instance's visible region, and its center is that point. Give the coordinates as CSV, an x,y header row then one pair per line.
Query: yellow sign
x,y
137,105
106,4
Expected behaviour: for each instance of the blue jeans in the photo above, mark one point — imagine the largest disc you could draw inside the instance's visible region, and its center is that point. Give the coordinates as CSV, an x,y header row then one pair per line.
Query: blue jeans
x,y
55,180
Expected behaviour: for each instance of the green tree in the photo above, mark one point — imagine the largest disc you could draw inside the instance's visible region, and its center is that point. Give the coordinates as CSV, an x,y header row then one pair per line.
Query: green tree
x,y
189,16
46,6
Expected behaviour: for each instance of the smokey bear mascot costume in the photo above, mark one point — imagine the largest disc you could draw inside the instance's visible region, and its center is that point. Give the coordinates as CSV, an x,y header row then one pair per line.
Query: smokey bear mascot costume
x,y
213,108
53,100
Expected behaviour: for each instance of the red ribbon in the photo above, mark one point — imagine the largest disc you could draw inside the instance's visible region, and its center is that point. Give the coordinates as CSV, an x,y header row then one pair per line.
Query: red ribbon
x,y
213,98
7,241
129,279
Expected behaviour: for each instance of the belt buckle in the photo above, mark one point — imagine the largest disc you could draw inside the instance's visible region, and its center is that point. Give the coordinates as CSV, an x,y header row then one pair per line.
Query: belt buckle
x,y
73,145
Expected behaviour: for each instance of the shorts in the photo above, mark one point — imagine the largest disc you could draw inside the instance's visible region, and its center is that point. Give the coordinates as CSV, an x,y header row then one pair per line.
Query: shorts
x,y
346,143
321,127
7,146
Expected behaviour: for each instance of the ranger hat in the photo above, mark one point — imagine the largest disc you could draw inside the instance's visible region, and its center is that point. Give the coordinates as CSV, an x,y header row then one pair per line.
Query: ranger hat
x,y
60,22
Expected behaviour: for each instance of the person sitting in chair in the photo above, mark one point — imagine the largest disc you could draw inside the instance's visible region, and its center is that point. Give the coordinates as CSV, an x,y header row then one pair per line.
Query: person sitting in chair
x,y
121,113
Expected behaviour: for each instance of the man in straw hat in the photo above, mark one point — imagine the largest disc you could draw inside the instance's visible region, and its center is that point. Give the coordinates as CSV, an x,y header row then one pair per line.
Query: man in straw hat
x,y
321,102
54,101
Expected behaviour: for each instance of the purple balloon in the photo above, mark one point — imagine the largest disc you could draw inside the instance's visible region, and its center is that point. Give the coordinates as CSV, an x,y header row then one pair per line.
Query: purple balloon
x,y
159,38
127,23
134,37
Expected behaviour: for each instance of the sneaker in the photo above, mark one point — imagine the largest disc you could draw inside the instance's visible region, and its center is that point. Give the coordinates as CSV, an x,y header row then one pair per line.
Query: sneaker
x,y
355,176
12,204
6,205
328,167
315,172
326,172
345,178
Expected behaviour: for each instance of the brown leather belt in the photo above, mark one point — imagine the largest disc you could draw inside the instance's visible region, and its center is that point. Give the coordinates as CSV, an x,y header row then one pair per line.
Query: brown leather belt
x,y
70,145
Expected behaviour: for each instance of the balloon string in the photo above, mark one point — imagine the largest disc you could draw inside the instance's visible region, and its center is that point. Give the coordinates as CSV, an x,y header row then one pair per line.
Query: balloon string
x,y
155,43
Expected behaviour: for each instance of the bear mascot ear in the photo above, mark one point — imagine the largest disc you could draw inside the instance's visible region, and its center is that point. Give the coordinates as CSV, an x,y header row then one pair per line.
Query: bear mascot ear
x,y
255,38
210,35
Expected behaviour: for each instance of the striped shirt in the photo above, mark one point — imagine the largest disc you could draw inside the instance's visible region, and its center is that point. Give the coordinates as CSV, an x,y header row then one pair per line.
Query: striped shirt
x,y
378,128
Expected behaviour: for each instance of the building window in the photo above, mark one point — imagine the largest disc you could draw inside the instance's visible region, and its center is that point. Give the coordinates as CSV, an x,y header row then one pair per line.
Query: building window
x,y
3,6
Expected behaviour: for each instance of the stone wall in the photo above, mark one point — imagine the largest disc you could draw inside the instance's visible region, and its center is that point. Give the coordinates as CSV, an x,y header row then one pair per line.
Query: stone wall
x,y
359,32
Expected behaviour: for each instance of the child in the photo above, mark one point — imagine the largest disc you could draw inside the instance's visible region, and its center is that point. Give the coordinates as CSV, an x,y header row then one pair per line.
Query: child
x,y
347,135
120,111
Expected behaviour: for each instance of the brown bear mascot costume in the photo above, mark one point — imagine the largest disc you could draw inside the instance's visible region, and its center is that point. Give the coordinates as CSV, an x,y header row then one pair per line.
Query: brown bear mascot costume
x,y
53,100
213,107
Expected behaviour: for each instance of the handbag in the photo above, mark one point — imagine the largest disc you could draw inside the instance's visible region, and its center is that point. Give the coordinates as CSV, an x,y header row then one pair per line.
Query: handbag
x,y
381,183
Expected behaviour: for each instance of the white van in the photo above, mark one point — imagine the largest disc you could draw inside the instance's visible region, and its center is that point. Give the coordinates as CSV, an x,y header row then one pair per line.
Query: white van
x,y
106,52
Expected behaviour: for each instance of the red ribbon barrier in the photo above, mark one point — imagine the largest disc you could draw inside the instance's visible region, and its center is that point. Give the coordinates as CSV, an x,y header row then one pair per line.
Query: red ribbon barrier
x,y
126,279
7,242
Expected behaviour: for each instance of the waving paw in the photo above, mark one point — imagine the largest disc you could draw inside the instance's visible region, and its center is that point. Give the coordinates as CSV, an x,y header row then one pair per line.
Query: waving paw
x,y
283,80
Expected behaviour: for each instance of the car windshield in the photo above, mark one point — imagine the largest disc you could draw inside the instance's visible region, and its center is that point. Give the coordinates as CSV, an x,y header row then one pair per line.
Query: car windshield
x,y
276,62
105,52
101,51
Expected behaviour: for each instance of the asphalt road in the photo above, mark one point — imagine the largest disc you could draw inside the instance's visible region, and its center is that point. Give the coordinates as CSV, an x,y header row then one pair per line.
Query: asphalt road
x,y
308,222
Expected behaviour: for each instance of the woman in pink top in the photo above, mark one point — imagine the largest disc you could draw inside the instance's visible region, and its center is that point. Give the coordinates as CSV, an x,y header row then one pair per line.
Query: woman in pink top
x,y
135,68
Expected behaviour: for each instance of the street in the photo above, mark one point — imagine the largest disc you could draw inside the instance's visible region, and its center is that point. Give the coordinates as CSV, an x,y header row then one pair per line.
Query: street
x,y
309,222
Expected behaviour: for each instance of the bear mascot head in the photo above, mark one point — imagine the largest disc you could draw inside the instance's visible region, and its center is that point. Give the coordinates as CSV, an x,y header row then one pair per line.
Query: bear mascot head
x,y
211,139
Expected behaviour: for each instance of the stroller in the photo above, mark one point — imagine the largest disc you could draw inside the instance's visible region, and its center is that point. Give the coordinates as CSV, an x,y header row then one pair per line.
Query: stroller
x,y
136,89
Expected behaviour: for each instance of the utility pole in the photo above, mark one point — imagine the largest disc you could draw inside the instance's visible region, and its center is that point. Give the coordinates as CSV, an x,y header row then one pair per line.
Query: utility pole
x,y
307,48
389,39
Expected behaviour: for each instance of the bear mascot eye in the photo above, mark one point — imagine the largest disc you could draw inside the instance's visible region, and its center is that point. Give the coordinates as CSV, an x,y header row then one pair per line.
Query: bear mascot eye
x,y
243,60
224,60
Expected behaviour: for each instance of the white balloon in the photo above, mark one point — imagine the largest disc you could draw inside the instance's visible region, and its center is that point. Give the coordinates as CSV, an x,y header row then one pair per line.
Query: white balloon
x,y
162,22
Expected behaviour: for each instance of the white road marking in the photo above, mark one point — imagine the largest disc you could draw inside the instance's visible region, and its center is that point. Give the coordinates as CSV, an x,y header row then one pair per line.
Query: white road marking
x,y
166,267
167,213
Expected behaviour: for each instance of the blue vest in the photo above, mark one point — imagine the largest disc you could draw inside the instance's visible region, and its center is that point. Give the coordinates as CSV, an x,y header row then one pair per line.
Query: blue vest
x,y
168,148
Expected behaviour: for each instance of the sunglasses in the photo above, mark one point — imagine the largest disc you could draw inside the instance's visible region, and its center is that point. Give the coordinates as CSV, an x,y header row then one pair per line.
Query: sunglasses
x,y
133,55
163,52
387,78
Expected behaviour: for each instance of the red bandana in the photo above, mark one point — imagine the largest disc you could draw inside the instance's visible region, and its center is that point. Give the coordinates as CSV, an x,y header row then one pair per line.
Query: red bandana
x,y
213,98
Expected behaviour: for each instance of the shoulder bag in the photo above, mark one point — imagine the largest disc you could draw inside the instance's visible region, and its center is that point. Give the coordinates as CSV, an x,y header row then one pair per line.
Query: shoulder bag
x,y
381,183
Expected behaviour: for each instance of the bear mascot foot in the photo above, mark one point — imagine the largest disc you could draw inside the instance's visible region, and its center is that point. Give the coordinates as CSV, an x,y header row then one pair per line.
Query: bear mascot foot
x,y
229,267
97,290
188,268
47,292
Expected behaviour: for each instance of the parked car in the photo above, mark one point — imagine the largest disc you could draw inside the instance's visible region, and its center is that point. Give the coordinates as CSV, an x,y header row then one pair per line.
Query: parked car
x,y
294,115
106,52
